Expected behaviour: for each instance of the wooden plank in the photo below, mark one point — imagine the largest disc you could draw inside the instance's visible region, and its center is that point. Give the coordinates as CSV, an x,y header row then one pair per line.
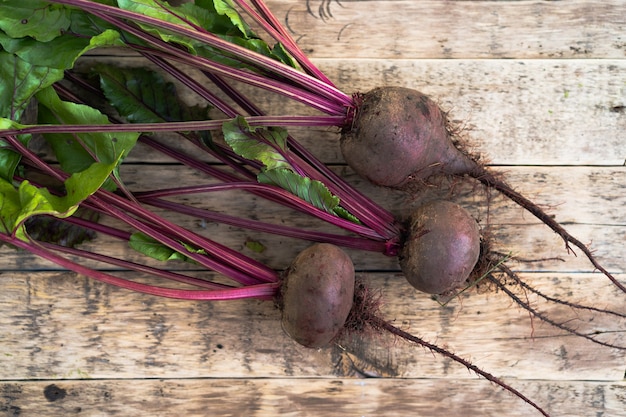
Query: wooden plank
x,y
71,346
305,397
395,29
513,112
62,326
517,112
592,210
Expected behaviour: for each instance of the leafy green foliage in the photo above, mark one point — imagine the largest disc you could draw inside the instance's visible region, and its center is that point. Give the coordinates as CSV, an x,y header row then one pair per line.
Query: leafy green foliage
x,y
27,200
143,96
89,158
20,81
311,191
35,18
36,49
60,52
217,17
226,18
9,158
260,144
77,152
268,145
307,189
165,13
148,246
153,248
28,65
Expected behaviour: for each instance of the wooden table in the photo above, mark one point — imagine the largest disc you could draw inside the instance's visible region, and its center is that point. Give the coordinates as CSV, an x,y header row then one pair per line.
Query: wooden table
x,y
540,90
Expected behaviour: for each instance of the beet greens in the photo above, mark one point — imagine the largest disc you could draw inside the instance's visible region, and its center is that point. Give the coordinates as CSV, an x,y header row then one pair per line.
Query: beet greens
x,y
93,121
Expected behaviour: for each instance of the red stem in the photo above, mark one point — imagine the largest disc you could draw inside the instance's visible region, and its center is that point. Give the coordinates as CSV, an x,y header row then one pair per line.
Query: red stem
x,y
263,291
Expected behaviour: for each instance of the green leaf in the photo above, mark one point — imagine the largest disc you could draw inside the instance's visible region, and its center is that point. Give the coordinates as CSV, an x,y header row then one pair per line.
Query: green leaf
x,y
266,145
86,25
261,144
20,82
230,26
148,246
28,65
345,214
9,161
166,13
219,17
311,191
19,204
226,8
139,95
153,248
280,53
60,52
143,96
9,158
9,206
38,19
77,152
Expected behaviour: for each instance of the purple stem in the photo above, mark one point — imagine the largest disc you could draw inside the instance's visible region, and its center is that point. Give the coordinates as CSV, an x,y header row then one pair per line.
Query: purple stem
x,y
221,259
236,96
364,208
172,276
198,165
321,89
263,291
98,227
261,121
191,83
345,241
267,192
272,26
279,194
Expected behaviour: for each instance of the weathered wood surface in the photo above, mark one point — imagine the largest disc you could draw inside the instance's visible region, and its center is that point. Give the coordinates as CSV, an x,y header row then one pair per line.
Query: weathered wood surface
x,y
515,112
65,326
592,209
309,397
69,346
391,29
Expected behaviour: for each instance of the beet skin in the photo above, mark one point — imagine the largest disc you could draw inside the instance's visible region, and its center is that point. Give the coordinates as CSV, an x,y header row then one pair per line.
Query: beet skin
x,y
399,134
442,249
317,295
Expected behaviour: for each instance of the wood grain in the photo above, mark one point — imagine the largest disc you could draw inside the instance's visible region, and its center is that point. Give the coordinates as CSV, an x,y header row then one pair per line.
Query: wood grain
x,y
391,29
64,326
539,89
308,397
592,211
512,112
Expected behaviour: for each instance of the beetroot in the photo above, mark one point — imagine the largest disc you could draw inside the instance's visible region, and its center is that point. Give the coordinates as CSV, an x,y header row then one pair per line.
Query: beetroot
x,y
317,295
399,133
443,247
399,136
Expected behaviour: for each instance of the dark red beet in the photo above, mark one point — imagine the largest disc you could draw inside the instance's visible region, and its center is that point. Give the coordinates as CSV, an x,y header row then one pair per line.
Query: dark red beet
x,y
442,249
317,295
398,134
